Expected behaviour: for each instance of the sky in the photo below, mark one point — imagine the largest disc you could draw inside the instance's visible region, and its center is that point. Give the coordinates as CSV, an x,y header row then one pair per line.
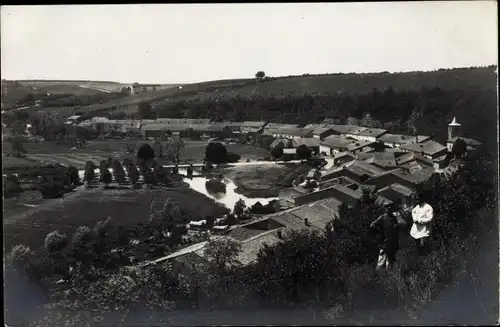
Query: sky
x,y
187,43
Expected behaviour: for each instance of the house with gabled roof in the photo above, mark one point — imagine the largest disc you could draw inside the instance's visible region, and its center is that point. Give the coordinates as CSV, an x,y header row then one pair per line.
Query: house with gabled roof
x,y
396,140
397,193
333,145
323,132
430,149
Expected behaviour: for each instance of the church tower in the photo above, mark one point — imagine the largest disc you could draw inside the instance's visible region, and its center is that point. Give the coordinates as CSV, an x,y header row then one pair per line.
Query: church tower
x,y
453,129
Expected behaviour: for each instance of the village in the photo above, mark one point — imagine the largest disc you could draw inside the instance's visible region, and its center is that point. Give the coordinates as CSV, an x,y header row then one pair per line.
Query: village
x,y
170,199
277,164
353,159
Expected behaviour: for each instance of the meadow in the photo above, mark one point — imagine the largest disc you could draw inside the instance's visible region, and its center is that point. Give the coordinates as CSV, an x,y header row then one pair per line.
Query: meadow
x,y
28,224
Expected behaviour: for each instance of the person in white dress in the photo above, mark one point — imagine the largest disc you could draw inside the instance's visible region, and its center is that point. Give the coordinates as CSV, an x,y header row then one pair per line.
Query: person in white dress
x,y
422,215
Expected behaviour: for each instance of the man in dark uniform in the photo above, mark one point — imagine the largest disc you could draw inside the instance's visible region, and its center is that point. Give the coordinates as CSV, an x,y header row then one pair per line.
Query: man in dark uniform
x,y
387,225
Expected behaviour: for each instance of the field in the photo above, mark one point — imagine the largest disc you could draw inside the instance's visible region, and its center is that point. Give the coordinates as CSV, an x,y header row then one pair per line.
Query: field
x,y
9,162
315,85
97,150
29,224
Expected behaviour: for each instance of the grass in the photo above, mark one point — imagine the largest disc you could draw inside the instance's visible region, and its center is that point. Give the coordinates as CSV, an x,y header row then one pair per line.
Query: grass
x,y
327,84
330,84
258,181
86,207
97,150
12,163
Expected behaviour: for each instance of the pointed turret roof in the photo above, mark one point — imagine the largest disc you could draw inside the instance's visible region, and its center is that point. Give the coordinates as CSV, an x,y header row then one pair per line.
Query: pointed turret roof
x,y
454,122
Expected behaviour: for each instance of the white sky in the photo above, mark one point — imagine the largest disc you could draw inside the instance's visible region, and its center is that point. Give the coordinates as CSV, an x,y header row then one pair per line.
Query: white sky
x,y
177,43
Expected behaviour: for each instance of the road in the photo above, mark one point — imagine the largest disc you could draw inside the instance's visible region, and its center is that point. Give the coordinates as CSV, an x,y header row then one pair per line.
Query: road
x,y
94,88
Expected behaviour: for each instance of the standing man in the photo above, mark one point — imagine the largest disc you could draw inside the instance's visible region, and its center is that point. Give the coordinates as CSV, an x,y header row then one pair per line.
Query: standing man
x,y
422,215
388,225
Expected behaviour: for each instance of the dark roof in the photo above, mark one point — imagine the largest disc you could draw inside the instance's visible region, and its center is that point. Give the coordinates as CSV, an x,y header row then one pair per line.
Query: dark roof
x,y
352,129
243,233
254,124
315,126
382,200
342,129
401,189
279,140
320,130
368,131
287,131
334,141
359,165
291,193
344,154
165,127
429,147
418,176
290,221
360,144
318,213
278,125
251,248
402,139
309,142
383,159
467,141
344,180
177,121
356,194
407,157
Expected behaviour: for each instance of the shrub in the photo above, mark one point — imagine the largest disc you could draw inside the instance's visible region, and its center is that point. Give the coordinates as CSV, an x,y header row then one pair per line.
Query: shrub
x,y
51,186
82,235
145,153
55,242
73,176
303,152
11,186
216,153
89,172
20,254
232,157
215,186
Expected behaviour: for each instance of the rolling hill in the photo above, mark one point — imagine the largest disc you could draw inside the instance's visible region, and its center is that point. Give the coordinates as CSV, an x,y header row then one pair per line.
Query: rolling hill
x,y
274,87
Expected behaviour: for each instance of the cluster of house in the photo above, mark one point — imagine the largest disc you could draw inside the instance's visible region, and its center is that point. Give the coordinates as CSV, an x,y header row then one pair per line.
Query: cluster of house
x,y
158,127
390,165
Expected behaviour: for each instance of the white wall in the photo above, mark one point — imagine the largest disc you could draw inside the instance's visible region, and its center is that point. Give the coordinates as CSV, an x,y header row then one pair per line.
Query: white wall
x,y
325,149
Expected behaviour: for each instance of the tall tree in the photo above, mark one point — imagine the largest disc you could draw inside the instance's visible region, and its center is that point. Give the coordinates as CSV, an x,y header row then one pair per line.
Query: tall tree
x,y
216,153
145,111
303,152
145,153
459,148
89,172
260,74
118,171
222,253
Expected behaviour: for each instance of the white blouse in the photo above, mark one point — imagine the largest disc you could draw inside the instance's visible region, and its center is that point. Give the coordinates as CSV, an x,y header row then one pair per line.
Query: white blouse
x,y
422,216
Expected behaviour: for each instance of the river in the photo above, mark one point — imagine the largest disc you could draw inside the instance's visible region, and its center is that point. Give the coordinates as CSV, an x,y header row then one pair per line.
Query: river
x,y
198,184
227,199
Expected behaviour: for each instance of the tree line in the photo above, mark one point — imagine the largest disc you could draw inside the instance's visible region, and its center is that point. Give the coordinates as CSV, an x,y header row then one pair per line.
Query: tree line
x,y
426,111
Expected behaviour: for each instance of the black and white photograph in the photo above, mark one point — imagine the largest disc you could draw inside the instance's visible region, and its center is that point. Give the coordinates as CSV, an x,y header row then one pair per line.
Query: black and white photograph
x,y
246,164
